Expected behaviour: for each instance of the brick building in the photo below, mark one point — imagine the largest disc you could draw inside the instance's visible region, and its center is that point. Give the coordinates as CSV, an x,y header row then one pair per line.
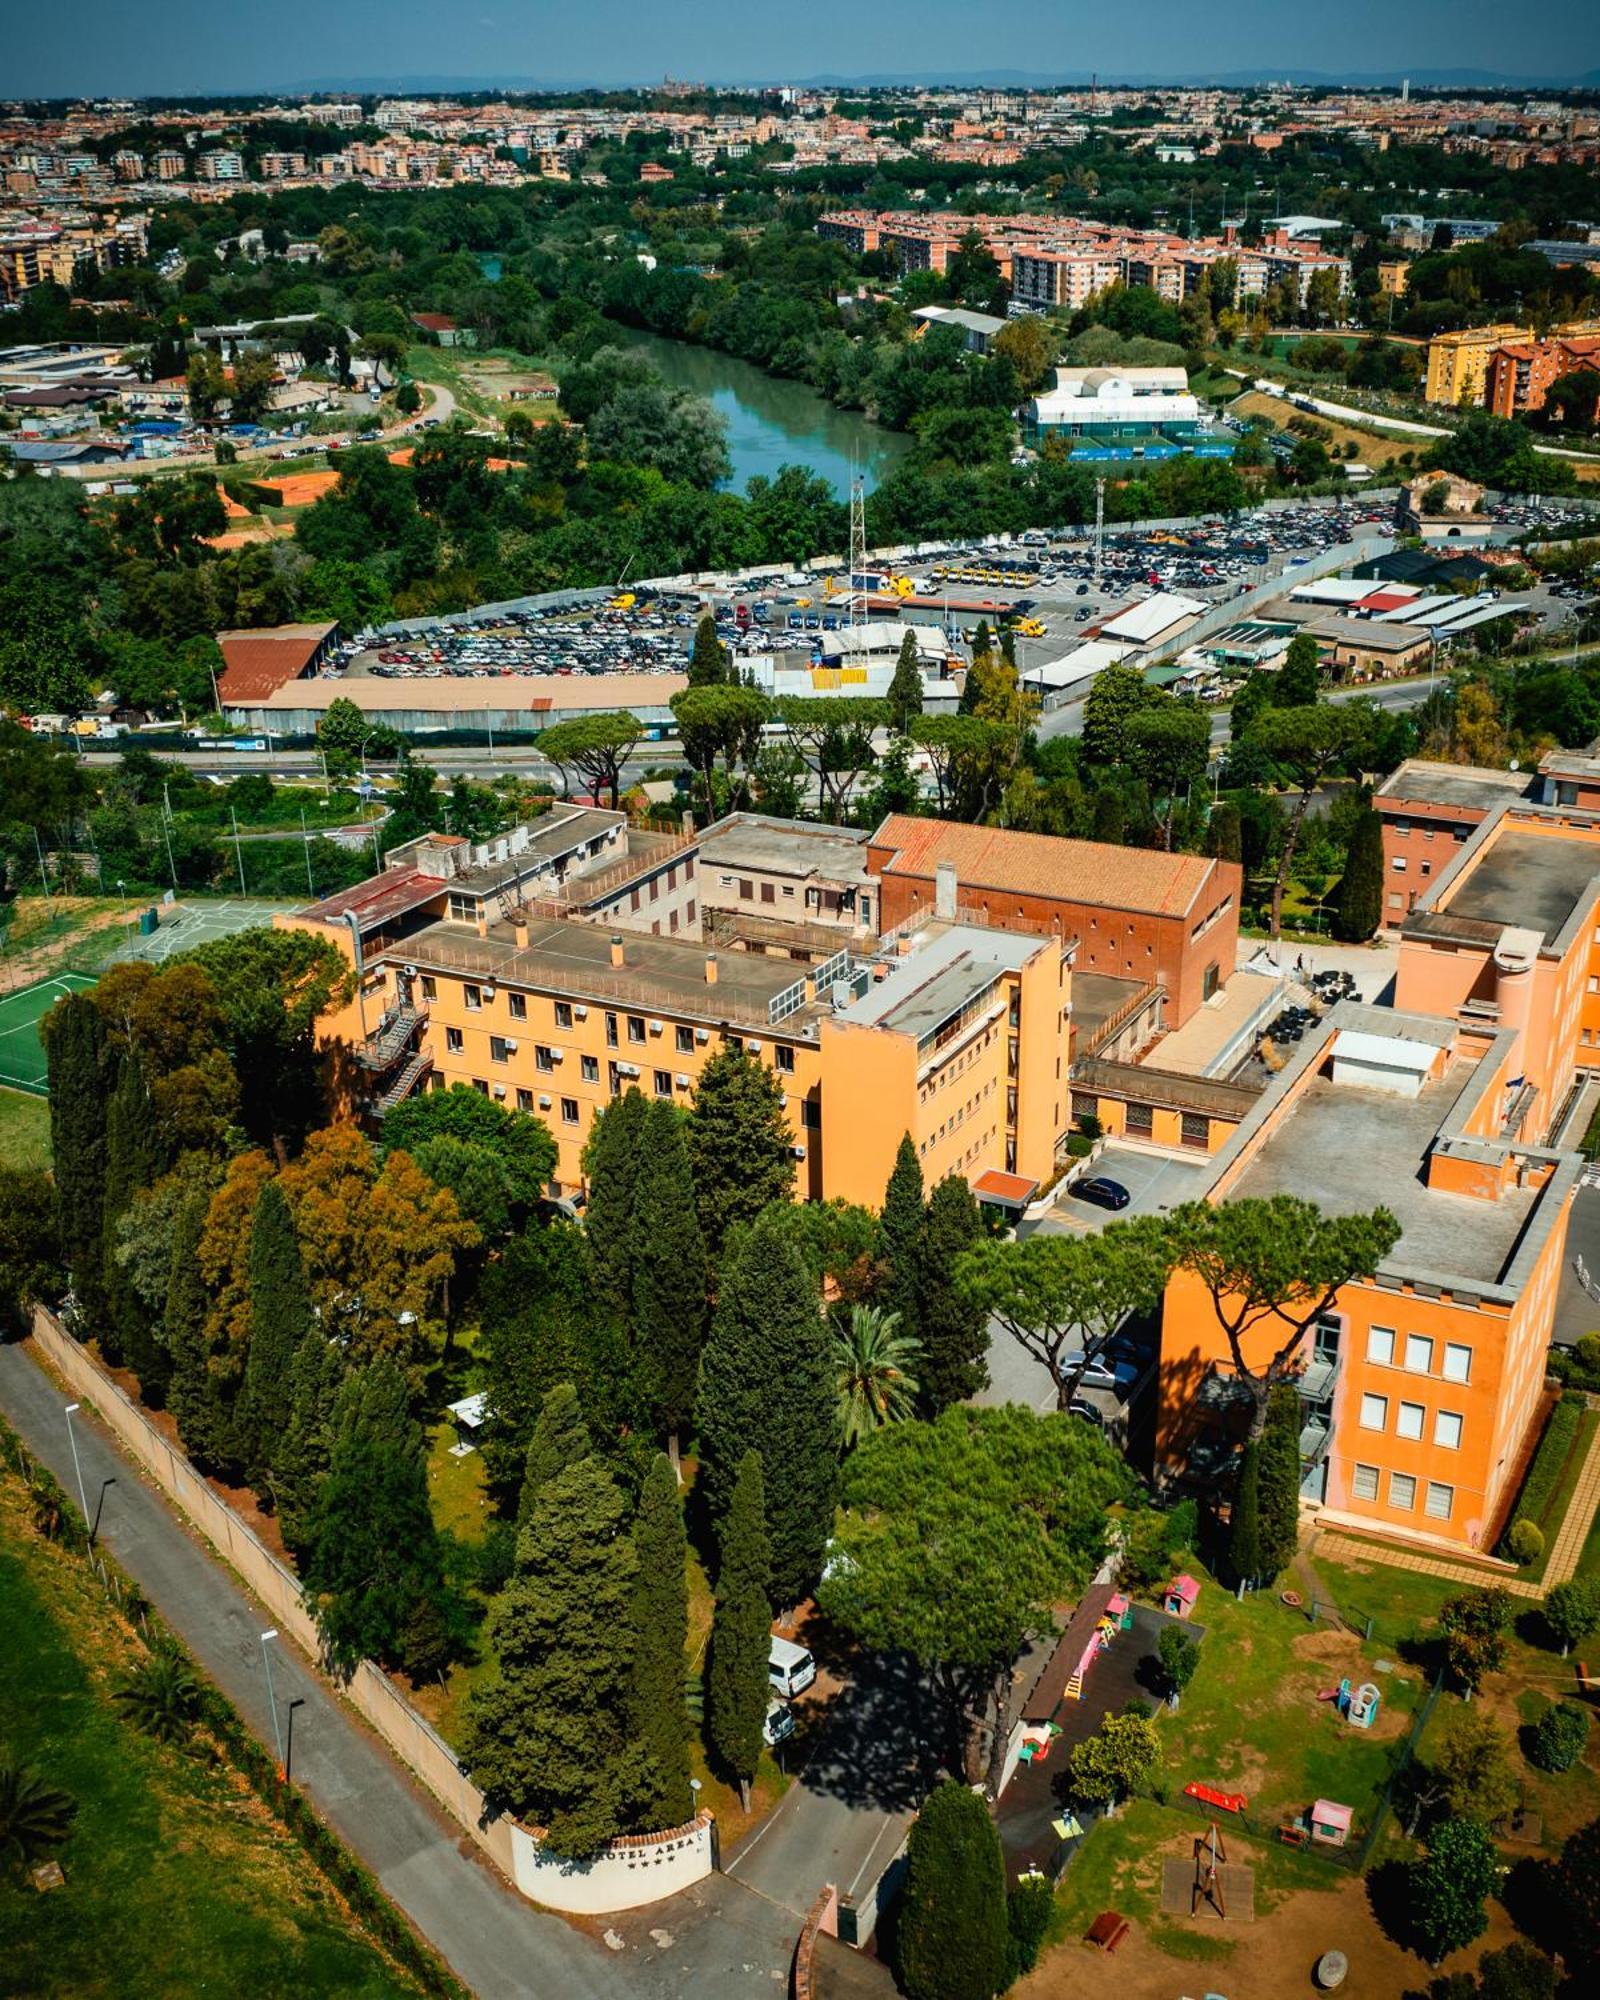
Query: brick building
x,y
1428,811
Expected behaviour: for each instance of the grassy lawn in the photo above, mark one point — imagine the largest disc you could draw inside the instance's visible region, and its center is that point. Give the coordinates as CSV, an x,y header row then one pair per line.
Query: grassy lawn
x,y
24,1130
1375,448
178,1880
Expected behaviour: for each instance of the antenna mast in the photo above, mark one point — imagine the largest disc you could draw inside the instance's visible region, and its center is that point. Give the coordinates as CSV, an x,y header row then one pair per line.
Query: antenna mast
x,y
858,565
1099,526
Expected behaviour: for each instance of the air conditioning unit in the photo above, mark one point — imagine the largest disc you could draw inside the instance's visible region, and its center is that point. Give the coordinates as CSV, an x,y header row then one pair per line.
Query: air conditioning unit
x,y
499,1090
702,1034
581,1011
658,1027
558,1055
410,971
682,1080
799,1152
627,1069
510,1043
544,1104
753,1047
488,989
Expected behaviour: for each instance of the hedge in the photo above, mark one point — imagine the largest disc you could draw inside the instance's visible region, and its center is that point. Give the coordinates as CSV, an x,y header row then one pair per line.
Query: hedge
x,y
1549,1463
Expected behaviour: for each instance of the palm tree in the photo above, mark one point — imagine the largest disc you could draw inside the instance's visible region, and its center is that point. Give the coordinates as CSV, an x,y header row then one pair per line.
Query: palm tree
x,y
162,1697
873,1363
34,1816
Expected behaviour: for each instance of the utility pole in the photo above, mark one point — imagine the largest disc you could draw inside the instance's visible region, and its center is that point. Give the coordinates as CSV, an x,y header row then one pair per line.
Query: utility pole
x,y
238,850
1099,526
44,875
306,837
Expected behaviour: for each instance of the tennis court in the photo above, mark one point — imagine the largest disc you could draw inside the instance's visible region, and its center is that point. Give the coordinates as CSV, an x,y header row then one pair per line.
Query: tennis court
x,y
22,1063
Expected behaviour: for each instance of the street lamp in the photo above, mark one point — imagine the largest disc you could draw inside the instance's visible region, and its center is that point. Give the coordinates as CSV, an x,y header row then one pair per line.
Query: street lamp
x,y
288,1761
83,1498
99,1505
266,1661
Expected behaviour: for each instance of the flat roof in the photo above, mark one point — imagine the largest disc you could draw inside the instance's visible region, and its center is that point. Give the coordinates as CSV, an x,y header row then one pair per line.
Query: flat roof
x,y
947,969
1452,784
451,694
1370,633
1152,617
1535,881
785,847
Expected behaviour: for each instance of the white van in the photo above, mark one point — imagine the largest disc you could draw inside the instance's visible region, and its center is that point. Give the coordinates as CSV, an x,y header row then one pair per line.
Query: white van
x,y
790,1668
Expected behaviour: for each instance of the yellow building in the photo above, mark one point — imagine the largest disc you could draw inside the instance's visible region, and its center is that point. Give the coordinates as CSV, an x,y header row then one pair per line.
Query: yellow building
x,y
1458,363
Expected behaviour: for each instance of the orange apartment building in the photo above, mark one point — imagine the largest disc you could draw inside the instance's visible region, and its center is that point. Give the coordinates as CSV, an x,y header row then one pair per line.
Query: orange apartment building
x,y
1427,812
1159,919
1520,373
1421,1387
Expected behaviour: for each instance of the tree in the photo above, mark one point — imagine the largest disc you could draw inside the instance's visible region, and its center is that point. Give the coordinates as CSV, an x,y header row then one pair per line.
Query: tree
x,y
741,1148
1119,1762
874,1363
1308,744
134,1159
35,1816
1245,1556
900,1235
408,399
1280,1473
207,384
1469,1775
304,1449
969,758
161,1697
1063,1298
1559,1737
1030,345
720,721
833,733
30,1264
1030,1904
1274,1266
1572,1612
1178,1656
595,746
668,1317
1168,744
560,1438
1119,694
956,1538
954,1333
1475,1625
74,1038
952,1941
612,1164
255,376
737,1689
710,663
767,1385
280,1319
905,690
659,1720
547,1738
195,1394
496,1162
1450,1886
1300,675
1359,909
1576,1895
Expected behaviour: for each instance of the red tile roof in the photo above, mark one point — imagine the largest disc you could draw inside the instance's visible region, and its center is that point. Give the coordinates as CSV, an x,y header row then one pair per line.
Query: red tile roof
x,y
1037,864
259,663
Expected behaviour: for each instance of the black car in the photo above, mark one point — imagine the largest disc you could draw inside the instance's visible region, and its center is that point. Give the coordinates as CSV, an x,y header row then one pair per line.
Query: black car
x,y
1104,1193
1079,1408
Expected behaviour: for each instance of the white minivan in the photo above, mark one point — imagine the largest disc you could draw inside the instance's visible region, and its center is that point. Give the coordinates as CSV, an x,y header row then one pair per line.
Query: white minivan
x,y
790,1668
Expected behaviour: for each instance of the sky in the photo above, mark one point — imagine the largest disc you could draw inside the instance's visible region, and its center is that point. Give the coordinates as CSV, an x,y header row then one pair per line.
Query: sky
x,y
110,47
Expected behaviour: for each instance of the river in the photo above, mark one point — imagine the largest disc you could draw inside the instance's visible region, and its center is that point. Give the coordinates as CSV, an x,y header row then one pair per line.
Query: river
x,y
773,422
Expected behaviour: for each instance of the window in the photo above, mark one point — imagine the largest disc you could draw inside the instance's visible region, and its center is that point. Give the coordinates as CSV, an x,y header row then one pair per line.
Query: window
x,y
569,1111
1457,1361
430,987
473,998
1447,1429
524,1099
518,1003
1441,1499
591,1069
480,1086
454,1040
1402,1491
1364,1484
1399,864
611,1031
563,1013
684,1038
463,909
635,1027
1408,1423
1374,1412
1380,1346
543,1058
784,1058
614,1079
497,1048
769,893
663,1082
1419,1354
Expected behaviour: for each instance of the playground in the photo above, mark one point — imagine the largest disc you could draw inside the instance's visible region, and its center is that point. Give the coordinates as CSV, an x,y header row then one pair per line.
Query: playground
x,y
22,1063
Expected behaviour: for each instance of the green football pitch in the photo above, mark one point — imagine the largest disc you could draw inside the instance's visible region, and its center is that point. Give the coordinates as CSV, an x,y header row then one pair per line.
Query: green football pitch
x,y
22,1063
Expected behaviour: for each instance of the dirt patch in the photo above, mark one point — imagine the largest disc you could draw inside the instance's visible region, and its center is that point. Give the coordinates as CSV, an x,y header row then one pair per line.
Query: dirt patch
x,y
27,962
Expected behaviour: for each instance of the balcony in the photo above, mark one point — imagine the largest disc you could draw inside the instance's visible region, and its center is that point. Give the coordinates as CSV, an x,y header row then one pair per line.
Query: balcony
x,y
1315,1437
1315,1384
391,1038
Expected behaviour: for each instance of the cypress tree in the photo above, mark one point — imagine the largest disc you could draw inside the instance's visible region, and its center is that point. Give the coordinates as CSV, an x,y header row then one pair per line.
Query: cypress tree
x,y
560,1438
547,1738
660,1721
1110,819
669,1273
900,1237
1225,832
740,1145
1300,675
767,1384
305,1450
905,690
611,1161
74,1036
1359,908
954,1332
737,1690
709,663
1244,1539
192,1392
280,1317
134,1160
953,1937
1278,1482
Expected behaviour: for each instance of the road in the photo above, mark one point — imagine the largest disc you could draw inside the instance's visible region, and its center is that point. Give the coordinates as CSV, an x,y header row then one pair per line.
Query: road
x,y
722,1937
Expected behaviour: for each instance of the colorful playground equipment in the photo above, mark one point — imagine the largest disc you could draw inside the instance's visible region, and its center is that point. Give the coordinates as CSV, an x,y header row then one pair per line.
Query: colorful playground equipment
x,y
1327,1824
1117,1617
1209,1795
1358,1706
1179,1598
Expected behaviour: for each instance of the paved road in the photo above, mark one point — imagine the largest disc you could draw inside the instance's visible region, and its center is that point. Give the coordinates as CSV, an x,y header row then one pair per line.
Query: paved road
x,y
721,1937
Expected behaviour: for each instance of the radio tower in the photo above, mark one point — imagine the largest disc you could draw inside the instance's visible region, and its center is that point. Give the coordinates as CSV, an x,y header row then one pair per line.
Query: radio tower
x,y
1099,526
858,566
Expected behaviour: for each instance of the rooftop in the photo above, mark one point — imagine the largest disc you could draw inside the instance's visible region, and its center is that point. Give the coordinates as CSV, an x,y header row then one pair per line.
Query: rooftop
x,y
785,847
1535,881
947,970
1453,784
1137,879
451,694
259,664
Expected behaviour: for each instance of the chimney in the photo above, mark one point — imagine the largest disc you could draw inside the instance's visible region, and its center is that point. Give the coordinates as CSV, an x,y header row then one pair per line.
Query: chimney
x,y
711,968
686,824
944,892
618,955
519,931
483,921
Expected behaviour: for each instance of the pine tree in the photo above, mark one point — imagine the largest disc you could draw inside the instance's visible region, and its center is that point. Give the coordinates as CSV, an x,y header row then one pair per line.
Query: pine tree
x,y
193,1393
669,1273
954,1332
1278,1482
660,1721
900,1237
953,1938
1300,675
767,1384
74,1037
709,663
1244,1540
280,1317
548,1737
612,1161
560,1438
1225,832
741,1149
737,1690
905,690
305,1450
135,1159
1110,823
1359,908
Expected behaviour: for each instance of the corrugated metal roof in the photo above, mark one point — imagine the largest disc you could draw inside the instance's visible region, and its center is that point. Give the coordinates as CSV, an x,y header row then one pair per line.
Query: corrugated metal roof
x,y
258,663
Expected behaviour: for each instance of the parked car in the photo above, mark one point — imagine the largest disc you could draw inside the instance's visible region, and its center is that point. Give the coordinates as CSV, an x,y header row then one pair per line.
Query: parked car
x,y
779,1725
790,1668
1090,1415
1105,1371
1102,1191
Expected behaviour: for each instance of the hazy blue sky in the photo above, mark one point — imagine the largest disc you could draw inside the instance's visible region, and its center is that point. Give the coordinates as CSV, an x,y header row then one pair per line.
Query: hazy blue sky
x,y
112,46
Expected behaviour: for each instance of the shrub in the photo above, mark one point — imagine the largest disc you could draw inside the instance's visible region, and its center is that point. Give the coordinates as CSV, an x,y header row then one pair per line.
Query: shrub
x,y
1525,1541
1028,1908
954,1941
1549,1462
1558,1739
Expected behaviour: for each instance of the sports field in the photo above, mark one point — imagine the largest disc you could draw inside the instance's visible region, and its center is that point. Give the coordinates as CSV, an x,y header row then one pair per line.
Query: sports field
x,y
22,1064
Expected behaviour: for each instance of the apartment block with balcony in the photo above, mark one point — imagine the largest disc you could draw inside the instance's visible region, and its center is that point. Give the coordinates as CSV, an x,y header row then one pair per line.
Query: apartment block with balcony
x,y
1422,1383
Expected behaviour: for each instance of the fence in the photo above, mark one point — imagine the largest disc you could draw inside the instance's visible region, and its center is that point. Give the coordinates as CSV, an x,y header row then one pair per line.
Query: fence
x,y
615,1880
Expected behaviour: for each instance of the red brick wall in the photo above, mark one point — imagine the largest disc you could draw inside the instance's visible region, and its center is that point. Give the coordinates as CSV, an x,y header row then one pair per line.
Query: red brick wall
x,y
1426,838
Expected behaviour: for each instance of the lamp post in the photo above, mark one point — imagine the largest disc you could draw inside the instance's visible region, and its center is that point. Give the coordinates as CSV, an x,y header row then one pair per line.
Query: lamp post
x,y
77,1466
288,1758
99,1504
266,1661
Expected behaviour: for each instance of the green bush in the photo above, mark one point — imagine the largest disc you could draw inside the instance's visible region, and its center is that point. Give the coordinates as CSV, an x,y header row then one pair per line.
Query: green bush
x,y
1028,1908
1525,1541
1560,1736
1549,1462
1579,1366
